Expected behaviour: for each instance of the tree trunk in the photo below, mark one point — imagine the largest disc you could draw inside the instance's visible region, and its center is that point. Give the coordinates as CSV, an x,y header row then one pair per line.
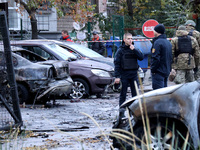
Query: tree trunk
x,y
34,26
130,8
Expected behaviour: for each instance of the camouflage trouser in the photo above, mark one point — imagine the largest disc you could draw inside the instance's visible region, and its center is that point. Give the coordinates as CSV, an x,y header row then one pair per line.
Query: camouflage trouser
x,y
197,74
184,76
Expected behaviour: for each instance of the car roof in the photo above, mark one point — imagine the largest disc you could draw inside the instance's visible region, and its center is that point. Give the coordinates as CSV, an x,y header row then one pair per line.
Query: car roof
x,y
36,42
13,48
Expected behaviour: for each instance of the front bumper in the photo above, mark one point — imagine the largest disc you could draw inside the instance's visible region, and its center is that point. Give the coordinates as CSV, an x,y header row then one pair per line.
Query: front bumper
x,y
98,84
58,88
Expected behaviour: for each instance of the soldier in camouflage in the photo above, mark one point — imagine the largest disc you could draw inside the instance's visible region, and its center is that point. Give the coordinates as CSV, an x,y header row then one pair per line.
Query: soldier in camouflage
x,y
190,27
185,51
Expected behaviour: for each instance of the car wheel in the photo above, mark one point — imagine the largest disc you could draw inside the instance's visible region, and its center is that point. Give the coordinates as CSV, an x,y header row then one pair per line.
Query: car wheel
x,y
80,89
164,135
23,93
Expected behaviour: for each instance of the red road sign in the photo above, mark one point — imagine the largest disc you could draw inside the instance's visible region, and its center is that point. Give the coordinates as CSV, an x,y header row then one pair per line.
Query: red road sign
x,y
148,28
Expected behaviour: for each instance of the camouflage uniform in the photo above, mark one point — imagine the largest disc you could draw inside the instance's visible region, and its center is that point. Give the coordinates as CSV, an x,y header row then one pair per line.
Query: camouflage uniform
x,y
184,70
196,35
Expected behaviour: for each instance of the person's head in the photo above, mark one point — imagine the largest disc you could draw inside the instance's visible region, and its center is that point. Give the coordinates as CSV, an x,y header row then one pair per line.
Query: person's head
x,y
64,33
95,34
159,29
181,27
190,23
128,38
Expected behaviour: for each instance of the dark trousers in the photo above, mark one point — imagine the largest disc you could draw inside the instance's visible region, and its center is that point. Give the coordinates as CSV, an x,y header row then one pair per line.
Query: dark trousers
x,y
158,81
125,83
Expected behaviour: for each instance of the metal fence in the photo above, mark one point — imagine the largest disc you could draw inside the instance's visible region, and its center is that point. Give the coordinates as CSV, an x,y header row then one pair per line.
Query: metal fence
x,y
10,115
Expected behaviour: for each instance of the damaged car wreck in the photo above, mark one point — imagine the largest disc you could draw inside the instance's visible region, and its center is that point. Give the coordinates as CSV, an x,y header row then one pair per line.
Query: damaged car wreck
x,y
36,80
167,118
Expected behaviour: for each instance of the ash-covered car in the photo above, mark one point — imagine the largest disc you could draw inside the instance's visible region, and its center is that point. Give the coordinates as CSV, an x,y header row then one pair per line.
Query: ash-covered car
x,y
37,79
167,118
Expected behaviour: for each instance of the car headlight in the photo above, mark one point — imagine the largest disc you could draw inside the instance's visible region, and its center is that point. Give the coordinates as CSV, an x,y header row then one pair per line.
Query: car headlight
x,y
101,73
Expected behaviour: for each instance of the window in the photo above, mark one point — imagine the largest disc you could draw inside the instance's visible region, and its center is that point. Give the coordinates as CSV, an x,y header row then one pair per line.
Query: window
x,y
13,16
38,51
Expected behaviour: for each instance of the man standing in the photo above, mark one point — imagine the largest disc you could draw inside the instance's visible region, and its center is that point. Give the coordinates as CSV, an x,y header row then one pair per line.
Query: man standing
x,y
126,66
161,58
65,36
97,46
185,51
190,27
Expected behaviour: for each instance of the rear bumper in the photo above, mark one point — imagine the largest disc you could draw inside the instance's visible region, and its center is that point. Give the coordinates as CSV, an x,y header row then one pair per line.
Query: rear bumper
x,y
58,88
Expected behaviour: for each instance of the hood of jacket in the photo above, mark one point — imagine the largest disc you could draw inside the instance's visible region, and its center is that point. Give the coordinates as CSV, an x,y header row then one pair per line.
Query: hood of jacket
x,y
181,33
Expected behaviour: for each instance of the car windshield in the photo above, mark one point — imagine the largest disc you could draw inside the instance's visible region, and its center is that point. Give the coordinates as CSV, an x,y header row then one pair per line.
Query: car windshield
x,y
61,51
87,52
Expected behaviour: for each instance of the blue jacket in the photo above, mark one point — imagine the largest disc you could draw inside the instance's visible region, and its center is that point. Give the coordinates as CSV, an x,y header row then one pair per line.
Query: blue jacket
x,y
119,72
161,56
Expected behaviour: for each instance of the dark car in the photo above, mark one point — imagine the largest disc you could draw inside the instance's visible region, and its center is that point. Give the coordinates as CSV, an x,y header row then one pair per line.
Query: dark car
x,y
90,77
169,117
36,80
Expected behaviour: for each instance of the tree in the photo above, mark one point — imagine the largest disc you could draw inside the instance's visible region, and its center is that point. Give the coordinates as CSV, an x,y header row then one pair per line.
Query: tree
x,y
80,10
170,13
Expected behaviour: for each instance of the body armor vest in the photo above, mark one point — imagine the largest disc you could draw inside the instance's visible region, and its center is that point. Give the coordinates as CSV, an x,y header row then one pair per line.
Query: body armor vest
x,y
129,62
184,46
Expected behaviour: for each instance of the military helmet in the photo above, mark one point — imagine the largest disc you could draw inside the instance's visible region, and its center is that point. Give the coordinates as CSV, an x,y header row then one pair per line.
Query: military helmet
x,y
191,23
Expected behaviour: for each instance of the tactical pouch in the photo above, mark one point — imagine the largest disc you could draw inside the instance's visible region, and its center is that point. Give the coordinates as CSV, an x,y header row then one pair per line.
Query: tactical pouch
x,y
129,62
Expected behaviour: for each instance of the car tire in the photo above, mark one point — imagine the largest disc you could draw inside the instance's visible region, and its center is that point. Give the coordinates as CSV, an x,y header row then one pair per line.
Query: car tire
x,y
80,89
163,134
23,93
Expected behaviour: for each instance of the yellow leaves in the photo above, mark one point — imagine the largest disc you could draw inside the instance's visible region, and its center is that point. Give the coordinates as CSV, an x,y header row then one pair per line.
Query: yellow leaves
x,y
40,12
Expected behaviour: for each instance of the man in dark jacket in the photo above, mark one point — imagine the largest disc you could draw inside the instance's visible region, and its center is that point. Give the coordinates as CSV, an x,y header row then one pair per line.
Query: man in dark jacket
x,y
97,46
161,58
126,66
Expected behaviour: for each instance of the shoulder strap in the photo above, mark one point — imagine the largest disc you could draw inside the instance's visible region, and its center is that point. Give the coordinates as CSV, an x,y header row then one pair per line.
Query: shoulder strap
x,y
191,32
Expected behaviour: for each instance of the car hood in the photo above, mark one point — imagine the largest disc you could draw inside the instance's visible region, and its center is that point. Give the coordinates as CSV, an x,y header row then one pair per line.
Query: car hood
x,y
91,64
109,61
161,91
61,67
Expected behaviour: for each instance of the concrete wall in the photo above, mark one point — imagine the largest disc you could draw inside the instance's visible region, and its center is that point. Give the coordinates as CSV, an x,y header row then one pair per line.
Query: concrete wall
x,y
65,23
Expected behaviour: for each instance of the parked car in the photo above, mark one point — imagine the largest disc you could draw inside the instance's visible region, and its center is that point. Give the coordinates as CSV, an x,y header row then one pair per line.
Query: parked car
x,y
90,77
84,52
173,118
42,81
87,53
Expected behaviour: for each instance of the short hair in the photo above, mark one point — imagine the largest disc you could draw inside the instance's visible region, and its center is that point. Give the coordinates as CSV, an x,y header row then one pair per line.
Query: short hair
x,y
127,34
65,31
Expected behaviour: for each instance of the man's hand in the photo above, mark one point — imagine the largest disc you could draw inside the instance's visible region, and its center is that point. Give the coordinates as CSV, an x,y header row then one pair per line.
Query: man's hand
x,y
132,47
117,80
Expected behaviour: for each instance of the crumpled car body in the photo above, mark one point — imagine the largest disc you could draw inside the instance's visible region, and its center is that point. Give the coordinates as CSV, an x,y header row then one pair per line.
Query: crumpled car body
x,y
41,81
174,109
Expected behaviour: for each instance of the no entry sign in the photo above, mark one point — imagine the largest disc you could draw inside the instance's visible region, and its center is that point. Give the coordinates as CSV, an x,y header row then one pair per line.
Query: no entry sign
x,y
148,28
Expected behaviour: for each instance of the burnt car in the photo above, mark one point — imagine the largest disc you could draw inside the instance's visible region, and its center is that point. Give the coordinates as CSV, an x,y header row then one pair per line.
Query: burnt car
x,y
168,117
90,77
36,79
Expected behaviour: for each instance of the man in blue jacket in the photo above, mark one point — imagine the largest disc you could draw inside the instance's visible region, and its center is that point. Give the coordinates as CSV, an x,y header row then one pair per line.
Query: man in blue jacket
x,y
161,58
126,66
